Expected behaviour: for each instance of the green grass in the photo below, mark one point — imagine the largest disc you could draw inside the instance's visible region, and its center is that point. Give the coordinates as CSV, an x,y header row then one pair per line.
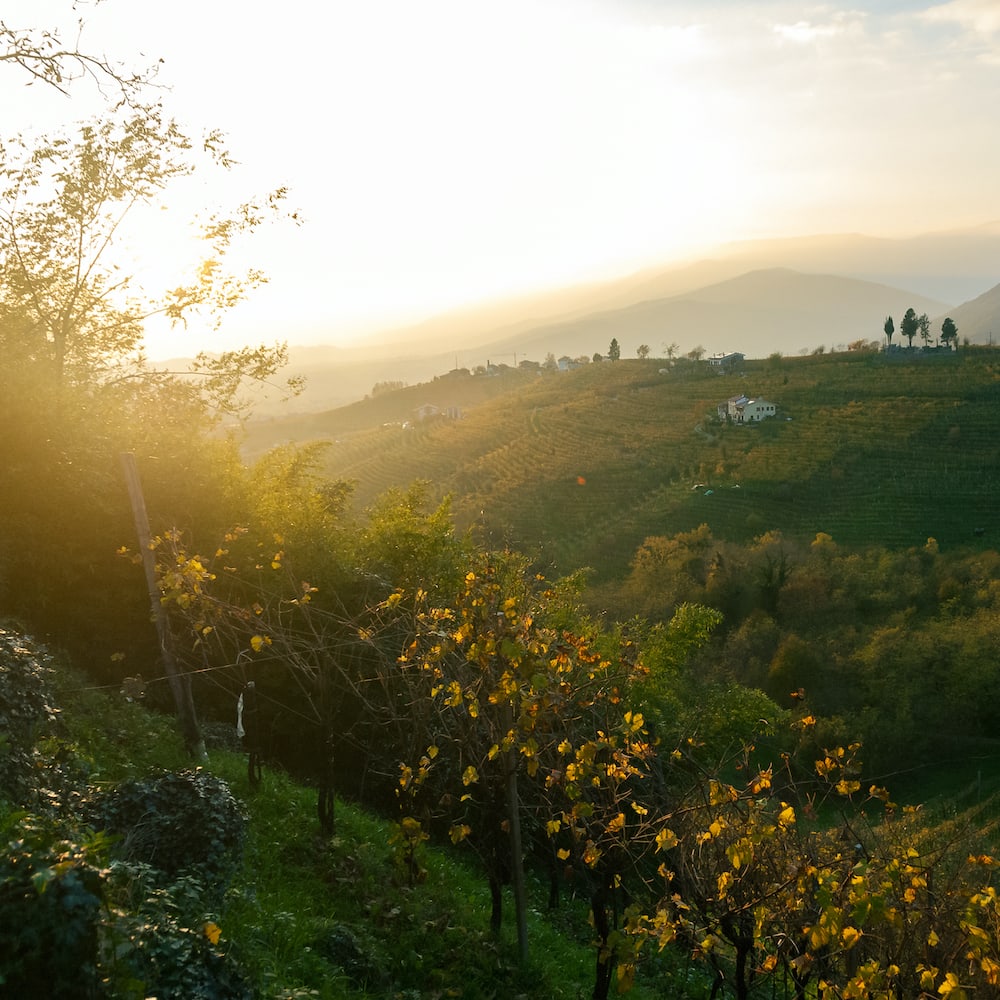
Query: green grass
x,y
307,916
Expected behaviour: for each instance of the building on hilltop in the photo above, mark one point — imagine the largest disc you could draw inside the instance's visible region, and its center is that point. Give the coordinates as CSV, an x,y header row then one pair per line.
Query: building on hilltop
x,y
428,410
744,410
727,362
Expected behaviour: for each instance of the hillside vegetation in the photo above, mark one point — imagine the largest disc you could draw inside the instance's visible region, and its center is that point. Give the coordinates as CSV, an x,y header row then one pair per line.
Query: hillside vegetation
x,y
848,543
662,774
579,467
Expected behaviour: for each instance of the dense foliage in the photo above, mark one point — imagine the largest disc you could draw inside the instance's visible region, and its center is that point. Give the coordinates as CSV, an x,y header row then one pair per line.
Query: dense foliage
x,y
672,740
176,822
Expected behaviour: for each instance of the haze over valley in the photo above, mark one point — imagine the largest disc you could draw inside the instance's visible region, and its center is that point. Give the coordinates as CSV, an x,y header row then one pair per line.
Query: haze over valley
x,y
785,295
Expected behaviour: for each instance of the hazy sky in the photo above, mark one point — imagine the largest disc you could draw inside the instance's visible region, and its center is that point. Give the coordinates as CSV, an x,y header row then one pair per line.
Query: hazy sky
x,y
446,151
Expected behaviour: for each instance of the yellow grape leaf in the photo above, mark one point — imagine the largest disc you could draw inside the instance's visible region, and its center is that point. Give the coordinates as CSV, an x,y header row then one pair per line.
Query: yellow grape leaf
x,y
213,932
617,823
724,881
470,776
458,832
666,839
950,985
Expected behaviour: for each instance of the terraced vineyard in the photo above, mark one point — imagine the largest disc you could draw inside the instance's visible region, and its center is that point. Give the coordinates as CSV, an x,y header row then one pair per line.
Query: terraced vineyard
x,y
579,467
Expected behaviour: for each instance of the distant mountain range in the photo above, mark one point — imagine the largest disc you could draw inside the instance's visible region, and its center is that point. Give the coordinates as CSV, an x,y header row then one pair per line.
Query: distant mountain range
x,y
757,313
759,297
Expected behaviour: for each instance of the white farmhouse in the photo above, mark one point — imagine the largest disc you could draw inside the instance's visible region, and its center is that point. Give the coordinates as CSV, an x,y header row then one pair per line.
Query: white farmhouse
x,y
744,410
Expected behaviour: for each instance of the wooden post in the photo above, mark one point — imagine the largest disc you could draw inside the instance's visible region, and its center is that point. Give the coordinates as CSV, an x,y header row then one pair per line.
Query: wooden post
x,y
180,684
516,855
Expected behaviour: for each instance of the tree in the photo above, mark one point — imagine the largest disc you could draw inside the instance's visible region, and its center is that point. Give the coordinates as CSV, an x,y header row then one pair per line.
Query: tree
x,y
642,352
77,390
925,328
671,350
550,362
696,353
889,330
909,325
614,351
949,332
45,57
67,311
530,728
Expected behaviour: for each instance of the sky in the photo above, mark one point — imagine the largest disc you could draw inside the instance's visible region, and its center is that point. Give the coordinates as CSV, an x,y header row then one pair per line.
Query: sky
x,y
445,152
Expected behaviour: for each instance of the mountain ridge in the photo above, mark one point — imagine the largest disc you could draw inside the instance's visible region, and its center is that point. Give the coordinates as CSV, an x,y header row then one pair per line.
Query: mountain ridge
x,y
950,269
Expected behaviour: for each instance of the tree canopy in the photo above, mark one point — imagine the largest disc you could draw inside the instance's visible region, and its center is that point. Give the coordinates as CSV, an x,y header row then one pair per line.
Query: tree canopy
x,y
909,325
949,331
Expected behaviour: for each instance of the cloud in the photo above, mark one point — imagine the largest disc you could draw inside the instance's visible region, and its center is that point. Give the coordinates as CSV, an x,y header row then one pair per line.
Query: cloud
x,y
980,17
802,32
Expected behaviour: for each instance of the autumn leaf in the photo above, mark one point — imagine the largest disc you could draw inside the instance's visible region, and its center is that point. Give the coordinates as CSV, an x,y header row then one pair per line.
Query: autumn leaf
x,y
666,839
458,832
850,936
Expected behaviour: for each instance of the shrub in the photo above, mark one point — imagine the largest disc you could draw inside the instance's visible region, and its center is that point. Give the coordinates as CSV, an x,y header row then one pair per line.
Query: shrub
x,y
26,701
51,891
165,941
185,821
25,687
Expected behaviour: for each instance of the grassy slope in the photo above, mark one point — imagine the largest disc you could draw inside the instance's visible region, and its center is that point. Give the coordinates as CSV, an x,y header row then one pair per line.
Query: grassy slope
x,y
308,917
579,467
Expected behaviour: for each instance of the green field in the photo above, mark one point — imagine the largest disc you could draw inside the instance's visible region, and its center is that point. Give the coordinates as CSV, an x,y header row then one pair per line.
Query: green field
x,y
579,467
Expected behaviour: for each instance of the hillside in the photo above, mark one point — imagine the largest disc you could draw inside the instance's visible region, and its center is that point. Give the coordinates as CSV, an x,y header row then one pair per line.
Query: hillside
x,y
950,266
937,270
756,313
978,320
579,467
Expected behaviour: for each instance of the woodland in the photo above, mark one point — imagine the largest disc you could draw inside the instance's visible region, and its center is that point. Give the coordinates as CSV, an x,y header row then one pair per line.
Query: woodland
x,y
586,692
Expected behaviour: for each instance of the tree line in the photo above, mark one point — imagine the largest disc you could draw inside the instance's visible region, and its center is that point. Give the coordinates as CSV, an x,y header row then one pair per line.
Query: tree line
x,y
911,324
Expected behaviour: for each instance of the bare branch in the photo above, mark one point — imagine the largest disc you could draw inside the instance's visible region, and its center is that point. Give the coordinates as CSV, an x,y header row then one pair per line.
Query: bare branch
x,y
45,57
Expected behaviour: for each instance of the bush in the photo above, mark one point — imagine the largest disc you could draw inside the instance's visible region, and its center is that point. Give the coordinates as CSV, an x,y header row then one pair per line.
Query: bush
x,y
51,891
26,702
168,943
25,688
185,821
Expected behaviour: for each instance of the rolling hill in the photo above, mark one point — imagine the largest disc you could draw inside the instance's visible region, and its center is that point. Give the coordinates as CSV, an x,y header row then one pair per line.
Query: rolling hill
x,y
756,313
757,297
978,320
579,467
